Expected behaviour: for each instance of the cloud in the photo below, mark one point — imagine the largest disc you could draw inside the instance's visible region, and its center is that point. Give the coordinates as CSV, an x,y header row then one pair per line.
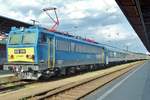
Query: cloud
x,y
101,20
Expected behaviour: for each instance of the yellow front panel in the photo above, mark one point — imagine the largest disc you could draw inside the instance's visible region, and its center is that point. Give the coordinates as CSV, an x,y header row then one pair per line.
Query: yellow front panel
x,y
20,54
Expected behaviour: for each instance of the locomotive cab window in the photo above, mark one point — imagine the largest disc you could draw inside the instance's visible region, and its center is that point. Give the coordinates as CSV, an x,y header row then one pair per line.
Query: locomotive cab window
x,y
15,38
29,38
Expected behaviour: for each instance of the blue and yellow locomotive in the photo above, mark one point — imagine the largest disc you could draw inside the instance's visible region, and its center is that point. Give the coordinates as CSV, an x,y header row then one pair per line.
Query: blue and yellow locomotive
x,y
35,52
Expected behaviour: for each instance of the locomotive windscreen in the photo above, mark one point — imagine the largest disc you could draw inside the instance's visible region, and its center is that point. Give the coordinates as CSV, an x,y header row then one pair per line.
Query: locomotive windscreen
x,y
26,38
29,38
15,39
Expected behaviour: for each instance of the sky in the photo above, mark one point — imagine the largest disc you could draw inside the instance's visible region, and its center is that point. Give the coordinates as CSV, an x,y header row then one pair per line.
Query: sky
x,y
100,20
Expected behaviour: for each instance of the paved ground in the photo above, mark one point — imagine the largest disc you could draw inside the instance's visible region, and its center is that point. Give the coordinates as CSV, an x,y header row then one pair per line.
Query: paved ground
x,y
4,74
134,85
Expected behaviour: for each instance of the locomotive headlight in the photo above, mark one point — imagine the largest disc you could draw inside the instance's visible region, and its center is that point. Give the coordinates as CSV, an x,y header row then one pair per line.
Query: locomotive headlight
x,y
33,57
27,56
21,70
47,72
17,69
30,56
11,56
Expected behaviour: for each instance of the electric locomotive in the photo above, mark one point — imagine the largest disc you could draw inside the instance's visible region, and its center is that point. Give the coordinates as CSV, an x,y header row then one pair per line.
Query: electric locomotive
x,y
35,52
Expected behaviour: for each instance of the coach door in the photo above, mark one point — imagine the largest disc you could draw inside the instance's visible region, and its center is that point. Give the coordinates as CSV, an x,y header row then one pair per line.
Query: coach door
x,y
51,52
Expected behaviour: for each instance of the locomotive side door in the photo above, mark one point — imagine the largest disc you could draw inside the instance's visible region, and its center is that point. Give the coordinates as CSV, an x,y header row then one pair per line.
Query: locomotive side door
x,y
51,52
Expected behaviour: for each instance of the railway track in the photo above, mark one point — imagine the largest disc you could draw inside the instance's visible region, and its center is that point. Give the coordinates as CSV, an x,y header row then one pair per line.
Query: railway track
x,y
56,89
13,85
78,90
4,79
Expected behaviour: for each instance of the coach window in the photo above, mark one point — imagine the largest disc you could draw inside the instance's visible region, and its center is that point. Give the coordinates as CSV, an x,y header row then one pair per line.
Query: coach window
x,y
72,47
69,46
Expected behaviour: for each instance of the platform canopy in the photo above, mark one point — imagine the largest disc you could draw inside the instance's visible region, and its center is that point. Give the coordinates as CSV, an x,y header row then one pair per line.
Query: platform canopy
x,y
6,24
138,14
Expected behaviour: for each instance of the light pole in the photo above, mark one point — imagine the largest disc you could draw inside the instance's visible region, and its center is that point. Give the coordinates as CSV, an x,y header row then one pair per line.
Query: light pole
x,y
127,46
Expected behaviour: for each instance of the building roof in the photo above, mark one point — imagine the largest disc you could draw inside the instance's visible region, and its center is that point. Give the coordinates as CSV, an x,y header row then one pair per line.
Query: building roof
x,y
138,14
6,24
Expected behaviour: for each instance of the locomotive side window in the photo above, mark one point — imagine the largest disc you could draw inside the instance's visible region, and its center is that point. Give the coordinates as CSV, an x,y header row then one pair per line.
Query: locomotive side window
x,y
62,45
42,38
65,45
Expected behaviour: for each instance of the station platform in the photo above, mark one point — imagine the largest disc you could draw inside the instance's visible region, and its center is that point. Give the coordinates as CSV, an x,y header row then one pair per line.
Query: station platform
x,y
134,85
5,73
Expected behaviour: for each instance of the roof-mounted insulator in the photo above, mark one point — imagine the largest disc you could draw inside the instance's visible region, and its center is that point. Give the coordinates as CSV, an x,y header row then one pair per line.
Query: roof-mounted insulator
x,y
34,21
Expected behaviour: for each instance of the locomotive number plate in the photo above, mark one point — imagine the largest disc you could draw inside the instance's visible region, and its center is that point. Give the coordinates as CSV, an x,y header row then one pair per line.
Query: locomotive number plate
x,y
19,51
